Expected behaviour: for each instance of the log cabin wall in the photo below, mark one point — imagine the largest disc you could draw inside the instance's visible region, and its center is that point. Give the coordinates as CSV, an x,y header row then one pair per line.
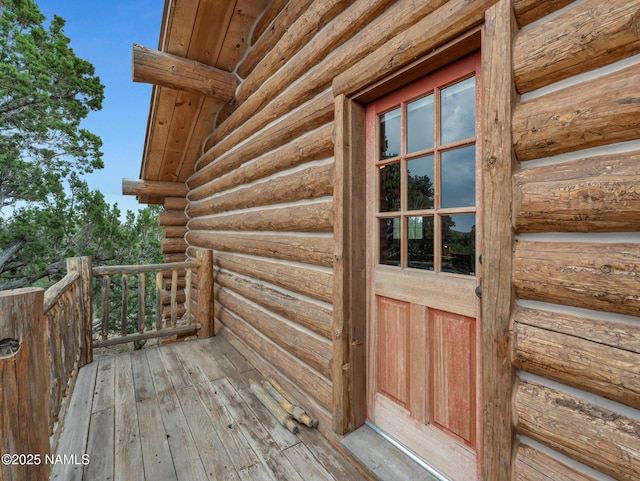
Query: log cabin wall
x,y
576,326
264,198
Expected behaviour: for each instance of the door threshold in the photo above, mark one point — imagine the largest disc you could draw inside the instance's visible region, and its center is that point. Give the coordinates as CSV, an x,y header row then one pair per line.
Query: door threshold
x,y
387,459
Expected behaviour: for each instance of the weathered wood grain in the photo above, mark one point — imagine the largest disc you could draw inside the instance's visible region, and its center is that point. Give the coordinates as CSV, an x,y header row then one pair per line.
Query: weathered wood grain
x,y
528,11
600,276
497,240
308,249
308,217
584,364
585,37
314,145
24,382
309,183
533,465
313,316
593,194
219,160
574,427
310,282
597,112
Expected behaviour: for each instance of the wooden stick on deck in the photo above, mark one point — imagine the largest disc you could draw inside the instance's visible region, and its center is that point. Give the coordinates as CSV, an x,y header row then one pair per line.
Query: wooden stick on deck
x,y
274,408
297,412
311,421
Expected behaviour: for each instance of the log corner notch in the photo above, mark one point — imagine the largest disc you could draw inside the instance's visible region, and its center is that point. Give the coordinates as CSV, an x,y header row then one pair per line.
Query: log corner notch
x,y
168,70
153,189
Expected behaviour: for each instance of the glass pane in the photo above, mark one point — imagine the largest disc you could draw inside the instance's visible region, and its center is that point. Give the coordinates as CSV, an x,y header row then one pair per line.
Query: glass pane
x,y
459,244
420,182
420,120
390,241
390,187
390,134
420,230
459,177
458,111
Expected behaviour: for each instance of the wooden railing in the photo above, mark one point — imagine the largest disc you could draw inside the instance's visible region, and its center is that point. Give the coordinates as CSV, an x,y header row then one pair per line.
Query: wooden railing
x,y
142,326
46,337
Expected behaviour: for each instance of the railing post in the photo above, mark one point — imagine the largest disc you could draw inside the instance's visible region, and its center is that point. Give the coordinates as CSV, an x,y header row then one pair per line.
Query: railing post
x,y
85,296
24,383
204,293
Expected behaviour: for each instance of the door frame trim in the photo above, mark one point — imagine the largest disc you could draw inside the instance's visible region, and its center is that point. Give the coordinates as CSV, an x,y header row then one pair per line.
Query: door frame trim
x,y
349,308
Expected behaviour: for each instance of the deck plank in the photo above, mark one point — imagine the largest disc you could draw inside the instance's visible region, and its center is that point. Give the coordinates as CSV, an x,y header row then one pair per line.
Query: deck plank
x,y
127,444
186,412
156,454
104,396
100,446
234,441
215,458
184,450
258,437
73,440
142,381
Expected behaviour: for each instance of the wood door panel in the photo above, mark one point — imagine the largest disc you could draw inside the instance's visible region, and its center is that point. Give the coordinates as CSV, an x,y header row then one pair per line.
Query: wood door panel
x,y
453,379
393,348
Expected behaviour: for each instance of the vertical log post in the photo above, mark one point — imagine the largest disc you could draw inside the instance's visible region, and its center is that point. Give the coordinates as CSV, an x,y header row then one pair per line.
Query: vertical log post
x,y
85,305
204,292
24,383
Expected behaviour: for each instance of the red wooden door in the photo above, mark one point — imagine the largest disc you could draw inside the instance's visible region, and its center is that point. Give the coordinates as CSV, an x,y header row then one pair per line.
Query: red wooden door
x,y
423,189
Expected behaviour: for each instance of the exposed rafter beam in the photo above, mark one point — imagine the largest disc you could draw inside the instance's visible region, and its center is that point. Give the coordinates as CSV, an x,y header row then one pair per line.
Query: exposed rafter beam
x,y
167,70
153,188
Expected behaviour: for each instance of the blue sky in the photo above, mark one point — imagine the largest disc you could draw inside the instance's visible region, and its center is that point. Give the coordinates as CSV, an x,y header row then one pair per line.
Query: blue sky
x,y
103,32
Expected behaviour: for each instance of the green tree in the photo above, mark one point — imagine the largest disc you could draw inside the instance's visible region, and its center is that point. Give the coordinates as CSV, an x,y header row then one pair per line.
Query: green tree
x,y
45,93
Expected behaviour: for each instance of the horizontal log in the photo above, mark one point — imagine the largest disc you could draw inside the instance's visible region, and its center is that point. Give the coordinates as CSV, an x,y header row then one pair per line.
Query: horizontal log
x,y
306,184
175,203
313,217
179,73
153,334
597,112
216,161
279,16
300,374
311,21
134,269
605,440
589,35
153,188
589,275
597,194
169,258
308,281
584,364
452,19
309,249
533,465
174,245
311,350
528,11
314,145
313,316
618,335
314,62
175,231
172,218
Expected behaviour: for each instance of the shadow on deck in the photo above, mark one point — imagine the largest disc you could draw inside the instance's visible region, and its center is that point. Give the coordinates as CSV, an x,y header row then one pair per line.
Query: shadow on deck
x,y
184,411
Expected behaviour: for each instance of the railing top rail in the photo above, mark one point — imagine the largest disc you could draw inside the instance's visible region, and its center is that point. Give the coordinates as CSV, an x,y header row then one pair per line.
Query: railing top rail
x,y
53,294
134,269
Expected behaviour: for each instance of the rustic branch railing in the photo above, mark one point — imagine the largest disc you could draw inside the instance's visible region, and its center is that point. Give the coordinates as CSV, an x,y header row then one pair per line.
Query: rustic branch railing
x,y
147,328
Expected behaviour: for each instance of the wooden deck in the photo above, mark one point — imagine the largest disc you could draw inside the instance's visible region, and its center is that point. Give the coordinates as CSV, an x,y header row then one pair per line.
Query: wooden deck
x,y
184,411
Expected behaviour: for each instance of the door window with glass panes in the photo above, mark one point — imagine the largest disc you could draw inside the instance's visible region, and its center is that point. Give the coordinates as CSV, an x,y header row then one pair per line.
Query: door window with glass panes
x,y
426,181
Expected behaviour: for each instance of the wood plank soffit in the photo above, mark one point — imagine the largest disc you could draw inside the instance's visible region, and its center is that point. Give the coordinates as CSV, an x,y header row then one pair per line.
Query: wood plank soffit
x,y
168,70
